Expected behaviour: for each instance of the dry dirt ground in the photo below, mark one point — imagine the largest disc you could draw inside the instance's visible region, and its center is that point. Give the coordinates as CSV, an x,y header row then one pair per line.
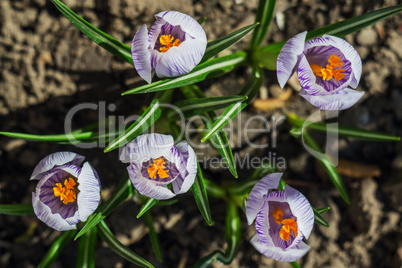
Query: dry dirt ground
x,y
47,67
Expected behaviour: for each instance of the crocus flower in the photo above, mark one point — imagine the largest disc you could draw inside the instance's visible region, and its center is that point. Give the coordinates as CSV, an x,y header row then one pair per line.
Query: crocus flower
x,y
283,219
155,162
326,67
174,45
66,193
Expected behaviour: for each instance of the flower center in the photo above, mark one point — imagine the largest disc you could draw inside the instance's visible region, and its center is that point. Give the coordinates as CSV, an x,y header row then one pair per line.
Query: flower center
x,y
167,41
287,224
331,70
67,193
158,167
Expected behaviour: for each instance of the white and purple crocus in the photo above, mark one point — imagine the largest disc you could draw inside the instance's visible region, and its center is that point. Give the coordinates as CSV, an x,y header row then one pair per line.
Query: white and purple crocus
x,y
326,67
283,219
174,45
66,193
156,163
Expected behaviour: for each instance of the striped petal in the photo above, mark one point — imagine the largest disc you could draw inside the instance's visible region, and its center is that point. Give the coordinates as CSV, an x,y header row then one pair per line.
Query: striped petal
x,y
190,168
279,254
141,55
89,188
256,198
54,160
341,100
289,57
308,79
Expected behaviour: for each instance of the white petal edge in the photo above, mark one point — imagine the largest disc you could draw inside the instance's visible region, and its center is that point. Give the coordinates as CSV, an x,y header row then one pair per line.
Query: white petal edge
x,y
341,100
288,58
255,200
186,23
279,254
141,55
56,159
89,196
191,168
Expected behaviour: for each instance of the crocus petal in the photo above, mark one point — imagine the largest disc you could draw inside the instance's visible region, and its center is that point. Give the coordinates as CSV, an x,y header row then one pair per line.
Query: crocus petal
x,y
351,55
341,100
308,79
145,147
279,254
255,200
147,187
289,56
44,213
262,225
141,55
89,196
181,59
53,160
186,23
187,152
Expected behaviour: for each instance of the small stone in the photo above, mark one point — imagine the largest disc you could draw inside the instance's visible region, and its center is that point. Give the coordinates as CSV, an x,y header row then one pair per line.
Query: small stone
x,y
367,37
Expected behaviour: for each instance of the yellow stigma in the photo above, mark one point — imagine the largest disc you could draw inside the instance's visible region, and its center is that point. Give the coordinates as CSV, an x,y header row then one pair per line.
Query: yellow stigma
x,y
67,193
167,42
158,166
328,72
288,224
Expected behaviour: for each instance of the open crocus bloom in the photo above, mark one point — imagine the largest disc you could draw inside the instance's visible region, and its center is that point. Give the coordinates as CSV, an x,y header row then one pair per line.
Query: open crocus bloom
x,y
283,219
174,45
155,163
326,66
66,193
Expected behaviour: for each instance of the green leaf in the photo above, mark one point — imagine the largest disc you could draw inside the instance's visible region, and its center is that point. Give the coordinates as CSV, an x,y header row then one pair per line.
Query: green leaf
x,y
113,46
86,249
210,69
265,13
147,205
214,189
153,236
218,45
119,248
347,132
251,89
323,210
51,138
319,219
17,209
201,197
122,192
294,264
328,165
57,247
191,107
233,239
219,141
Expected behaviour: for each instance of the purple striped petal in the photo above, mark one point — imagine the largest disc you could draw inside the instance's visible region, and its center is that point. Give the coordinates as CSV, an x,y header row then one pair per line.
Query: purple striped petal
x,y
186,23
262,225
302,209
181,59
256,198
89,188
141,55
279,254
54,160
190,160
308,79
289,57
341,100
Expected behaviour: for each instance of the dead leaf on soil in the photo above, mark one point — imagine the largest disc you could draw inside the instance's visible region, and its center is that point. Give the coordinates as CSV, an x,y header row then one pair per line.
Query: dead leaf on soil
x,y
272,104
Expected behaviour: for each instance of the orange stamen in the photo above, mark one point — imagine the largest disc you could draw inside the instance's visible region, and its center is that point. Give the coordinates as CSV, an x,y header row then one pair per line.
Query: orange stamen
x,y
167,42
67,193
278,214
158,167
287,224
328,72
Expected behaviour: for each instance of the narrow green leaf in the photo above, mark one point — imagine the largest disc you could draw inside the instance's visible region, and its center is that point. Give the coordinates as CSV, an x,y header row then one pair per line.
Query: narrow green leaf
x,y
86,249
233,239
191,107
214,189
57,247
119,248
52,138
220,44
328,165
153,236
201,197
251,89
265,13
282,185
17,209
347,132
122,192
294,264
323,210
207,70
146,206
295,132
319,219
104,40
